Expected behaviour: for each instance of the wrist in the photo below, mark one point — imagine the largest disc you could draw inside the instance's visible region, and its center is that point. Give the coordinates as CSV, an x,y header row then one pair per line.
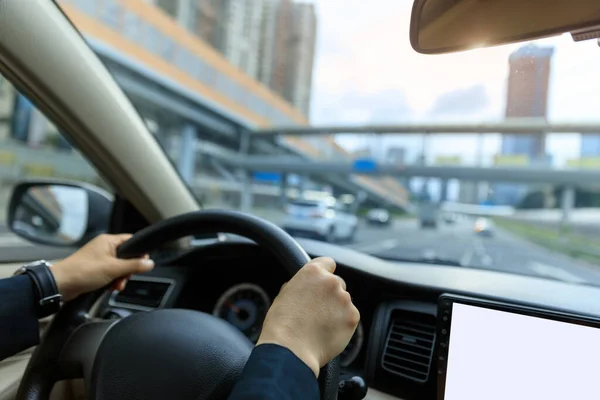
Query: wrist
x,y
291,343
64,282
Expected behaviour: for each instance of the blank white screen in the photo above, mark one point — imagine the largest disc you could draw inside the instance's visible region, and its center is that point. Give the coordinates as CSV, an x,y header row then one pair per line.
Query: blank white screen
x,y
496,355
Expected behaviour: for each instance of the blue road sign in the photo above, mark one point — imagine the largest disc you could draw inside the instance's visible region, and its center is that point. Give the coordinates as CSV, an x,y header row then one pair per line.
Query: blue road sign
x,y
267,176
365,165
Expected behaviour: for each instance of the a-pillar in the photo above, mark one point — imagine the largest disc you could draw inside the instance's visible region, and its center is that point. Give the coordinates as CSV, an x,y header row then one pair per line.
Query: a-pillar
x,y
187,153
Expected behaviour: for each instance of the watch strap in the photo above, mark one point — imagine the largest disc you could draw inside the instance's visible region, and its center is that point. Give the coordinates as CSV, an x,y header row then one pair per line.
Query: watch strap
x,y
48,297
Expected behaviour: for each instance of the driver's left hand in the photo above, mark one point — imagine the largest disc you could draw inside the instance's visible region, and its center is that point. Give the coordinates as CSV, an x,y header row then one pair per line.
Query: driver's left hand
x,y
96,265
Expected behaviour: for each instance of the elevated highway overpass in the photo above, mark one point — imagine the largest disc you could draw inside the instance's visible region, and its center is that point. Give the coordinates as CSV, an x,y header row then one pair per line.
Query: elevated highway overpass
x,y
510,126
193,93
488,174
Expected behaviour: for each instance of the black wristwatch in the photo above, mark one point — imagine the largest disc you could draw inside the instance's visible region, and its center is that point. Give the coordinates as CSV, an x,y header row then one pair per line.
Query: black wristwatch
x,y
48,298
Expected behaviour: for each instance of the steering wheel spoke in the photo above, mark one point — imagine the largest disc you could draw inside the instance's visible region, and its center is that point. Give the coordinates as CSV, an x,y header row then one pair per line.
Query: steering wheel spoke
x,y
78,355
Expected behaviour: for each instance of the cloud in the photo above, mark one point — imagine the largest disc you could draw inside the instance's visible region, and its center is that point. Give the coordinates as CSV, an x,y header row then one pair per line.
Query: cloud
x,y
465,101
383,107
367,72
373,54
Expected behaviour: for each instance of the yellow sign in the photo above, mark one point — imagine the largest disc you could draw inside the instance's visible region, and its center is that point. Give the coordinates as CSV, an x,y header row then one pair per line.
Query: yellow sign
x,y
516,160
38,170
7,157
447,160
584,163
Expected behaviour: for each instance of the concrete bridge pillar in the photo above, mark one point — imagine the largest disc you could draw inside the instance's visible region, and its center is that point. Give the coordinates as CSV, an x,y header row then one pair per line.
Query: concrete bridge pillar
x,y
187,153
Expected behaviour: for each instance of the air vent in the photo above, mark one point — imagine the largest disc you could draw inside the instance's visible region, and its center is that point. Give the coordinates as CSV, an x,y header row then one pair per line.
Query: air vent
x,y
146,293
409,346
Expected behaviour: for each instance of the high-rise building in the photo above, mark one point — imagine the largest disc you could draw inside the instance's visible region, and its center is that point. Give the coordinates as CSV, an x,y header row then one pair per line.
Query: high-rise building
x,y
288,41
198,16
274,54
206,20
301,47
233,27
273,41
238,33
527,97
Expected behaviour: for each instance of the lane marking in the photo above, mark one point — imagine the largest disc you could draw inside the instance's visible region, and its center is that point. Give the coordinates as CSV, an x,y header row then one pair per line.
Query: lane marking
x,y
378,246
484,256
467,257
554,272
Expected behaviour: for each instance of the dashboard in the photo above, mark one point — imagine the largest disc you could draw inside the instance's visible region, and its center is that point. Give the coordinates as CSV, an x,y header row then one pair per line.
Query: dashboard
x,y
396,348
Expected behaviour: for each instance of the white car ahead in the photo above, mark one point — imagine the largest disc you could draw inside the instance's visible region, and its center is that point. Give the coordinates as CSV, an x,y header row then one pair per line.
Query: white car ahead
x,y
319,220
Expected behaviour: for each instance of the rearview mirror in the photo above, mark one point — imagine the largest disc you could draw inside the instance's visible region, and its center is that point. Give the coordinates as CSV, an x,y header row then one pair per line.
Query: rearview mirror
x,y
443,26
58,214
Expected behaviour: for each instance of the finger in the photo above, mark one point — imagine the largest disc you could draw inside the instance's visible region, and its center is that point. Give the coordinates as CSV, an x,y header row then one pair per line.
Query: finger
x,y
119,284
326,263
114,285
342,282
123,283
121,238
121,268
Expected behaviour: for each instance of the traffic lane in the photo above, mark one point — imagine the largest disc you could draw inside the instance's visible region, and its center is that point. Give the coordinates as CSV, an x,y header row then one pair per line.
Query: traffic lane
x,y
513,254
458,242
366,233
407,240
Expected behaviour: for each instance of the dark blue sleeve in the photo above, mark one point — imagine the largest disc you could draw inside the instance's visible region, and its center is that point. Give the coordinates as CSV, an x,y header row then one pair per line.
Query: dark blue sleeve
x,y
19,328
275,373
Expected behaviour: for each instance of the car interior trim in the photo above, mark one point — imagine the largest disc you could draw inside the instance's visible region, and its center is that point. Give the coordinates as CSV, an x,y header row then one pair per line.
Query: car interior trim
x,y
112,302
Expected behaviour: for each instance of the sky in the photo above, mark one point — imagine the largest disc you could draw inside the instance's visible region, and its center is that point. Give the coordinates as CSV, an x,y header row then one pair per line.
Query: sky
x,y
367,72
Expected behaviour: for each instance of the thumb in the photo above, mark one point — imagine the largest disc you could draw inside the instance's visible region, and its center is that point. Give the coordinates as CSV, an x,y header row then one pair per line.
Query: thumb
x,y
131,266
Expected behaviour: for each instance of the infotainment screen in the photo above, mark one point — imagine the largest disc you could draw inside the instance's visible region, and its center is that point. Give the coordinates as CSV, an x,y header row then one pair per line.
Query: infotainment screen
x,y
495,351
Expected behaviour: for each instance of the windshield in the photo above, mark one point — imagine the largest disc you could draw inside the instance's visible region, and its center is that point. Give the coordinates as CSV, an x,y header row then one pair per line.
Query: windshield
x,y
221,82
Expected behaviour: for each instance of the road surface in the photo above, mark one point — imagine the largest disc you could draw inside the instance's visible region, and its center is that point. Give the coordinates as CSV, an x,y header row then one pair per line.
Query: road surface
x,y
503,251
405,239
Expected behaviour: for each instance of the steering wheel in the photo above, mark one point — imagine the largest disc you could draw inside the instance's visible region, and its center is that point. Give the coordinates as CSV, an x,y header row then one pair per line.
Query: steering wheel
x,y
168,353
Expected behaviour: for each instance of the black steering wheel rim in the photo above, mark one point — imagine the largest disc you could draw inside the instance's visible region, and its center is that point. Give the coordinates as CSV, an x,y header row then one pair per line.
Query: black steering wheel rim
x,y
59,354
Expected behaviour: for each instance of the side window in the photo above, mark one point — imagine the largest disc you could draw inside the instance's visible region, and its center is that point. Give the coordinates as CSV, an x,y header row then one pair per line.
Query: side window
x,y
32,147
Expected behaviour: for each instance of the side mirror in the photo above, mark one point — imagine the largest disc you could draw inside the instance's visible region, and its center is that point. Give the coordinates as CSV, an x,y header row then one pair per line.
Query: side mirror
x,y
59,213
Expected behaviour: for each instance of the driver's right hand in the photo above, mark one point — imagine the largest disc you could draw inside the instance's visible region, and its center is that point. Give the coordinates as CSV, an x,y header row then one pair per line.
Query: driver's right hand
x,y
313,315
